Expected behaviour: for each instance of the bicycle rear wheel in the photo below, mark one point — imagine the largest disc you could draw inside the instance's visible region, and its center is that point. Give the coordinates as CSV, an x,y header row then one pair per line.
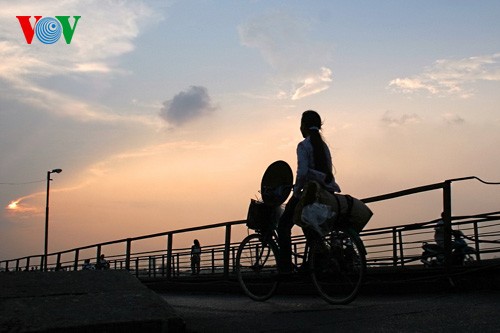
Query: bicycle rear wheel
x,y
338,266
257,267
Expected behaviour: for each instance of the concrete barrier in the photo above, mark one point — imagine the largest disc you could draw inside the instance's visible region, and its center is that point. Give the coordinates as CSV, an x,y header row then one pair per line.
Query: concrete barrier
x,y
82,301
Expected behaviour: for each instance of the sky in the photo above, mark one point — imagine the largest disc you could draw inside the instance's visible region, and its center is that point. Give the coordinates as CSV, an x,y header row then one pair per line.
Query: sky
x,y
164,114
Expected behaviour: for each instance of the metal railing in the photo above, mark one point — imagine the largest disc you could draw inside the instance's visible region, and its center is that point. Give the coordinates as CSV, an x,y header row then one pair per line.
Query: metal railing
x,y
396,246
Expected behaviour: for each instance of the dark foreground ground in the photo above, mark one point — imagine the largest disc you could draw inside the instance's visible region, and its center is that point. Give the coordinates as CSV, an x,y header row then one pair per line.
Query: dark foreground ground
x,y
468,311
464,300
82,301
408,300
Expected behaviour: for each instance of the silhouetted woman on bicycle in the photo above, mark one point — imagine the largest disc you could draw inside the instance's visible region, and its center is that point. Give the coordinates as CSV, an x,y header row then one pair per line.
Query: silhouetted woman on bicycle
x,y
314,162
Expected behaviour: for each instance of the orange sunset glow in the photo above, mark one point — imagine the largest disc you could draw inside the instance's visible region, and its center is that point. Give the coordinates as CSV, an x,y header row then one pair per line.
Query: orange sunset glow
x,y
13,205
167,118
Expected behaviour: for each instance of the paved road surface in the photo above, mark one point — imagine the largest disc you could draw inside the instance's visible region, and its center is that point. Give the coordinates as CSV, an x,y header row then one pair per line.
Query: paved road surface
x,y
465,311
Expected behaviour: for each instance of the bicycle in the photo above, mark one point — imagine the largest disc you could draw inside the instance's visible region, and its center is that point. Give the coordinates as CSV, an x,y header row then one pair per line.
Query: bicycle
x,y
336,262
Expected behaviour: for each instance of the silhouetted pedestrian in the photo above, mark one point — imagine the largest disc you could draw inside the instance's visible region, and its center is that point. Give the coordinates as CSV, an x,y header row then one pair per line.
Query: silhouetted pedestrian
x,y
87,266
195,257
102,263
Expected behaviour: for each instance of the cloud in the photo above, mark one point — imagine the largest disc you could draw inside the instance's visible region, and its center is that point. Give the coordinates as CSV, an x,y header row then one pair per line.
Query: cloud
x,y
449,77
285,42
29,205
279,37
453,119
23,208
187,105
314,84
101,36
395,121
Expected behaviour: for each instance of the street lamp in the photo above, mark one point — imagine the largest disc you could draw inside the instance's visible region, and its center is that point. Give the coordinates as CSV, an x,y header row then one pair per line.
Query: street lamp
x,y
47,218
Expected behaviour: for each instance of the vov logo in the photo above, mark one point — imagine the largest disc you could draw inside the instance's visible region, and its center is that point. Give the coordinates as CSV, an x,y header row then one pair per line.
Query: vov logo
x,y
48,30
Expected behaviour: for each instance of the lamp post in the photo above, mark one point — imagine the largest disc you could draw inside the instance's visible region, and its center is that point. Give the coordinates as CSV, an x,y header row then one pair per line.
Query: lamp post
x,y
47,218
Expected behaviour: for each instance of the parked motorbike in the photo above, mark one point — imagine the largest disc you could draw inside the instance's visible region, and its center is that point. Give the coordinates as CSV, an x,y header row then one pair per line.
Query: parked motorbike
x,y
461,254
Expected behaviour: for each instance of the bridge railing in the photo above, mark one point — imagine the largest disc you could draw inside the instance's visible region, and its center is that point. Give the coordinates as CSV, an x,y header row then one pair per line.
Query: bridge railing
x,y
395,246
399,246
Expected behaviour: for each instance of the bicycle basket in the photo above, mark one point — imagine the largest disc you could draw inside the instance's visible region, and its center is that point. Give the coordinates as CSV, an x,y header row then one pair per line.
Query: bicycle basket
x,y
262,216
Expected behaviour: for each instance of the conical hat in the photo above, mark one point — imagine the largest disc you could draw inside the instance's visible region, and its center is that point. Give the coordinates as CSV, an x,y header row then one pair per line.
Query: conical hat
x,y
276,183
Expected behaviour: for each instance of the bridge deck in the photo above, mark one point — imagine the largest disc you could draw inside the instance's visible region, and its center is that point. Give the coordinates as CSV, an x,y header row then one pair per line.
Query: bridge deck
x,y
103,301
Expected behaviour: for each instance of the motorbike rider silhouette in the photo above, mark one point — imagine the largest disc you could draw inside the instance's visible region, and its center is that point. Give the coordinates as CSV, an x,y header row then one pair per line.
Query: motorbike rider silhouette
x,y
434,254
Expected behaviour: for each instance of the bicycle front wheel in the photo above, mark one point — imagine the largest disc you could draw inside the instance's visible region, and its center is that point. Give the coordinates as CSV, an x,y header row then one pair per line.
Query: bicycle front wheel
x,y
338,265
257,267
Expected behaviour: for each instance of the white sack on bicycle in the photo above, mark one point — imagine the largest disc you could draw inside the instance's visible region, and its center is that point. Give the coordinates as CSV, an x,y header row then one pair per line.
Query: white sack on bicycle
x,y
316,216
348,209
